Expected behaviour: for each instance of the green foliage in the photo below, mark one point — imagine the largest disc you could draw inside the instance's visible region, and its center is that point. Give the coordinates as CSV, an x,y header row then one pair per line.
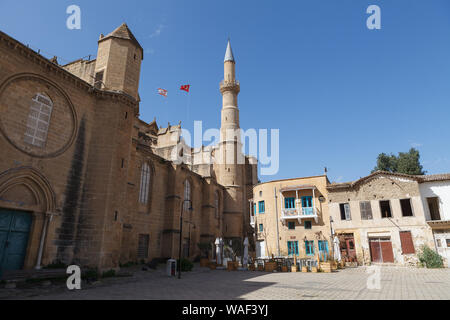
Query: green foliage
x,y
109,273
128,264
234,249
386,163
91,274
405,162
430,258
204,248
237,247
186,265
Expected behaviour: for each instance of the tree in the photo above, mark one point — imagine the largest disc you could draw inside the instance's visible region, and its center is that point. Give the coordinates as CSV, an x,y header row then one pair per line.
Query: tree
x,y
386,163
405,162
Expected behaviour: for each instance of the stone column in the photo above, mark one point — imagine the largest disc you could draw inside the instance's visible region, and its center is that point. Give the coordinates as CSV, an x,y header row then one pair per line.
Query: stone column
x,y
47,219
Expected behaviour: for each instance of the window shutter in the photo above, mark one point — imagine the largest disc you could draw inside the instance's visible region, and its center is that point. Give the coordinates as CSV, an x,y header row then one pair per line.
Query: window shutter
x,y
366,210
407,242
369,210
347,211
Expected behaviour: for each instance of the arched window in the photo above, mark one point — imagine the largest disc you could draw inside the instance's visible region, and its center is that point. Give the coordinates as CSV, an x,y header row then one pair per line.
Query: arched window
x,y
216,204
187,194
145,183
38,120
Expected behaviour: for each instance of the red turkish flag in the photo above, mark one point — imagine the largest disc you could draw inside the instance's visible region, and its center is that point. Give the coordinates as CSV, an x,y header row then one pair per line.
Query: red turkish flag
x,y
185,87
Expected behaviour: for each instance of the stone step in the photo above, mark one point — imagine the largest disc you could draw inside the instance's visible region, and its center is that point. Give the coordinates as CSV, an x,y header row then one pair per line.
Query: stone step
x,y
20,275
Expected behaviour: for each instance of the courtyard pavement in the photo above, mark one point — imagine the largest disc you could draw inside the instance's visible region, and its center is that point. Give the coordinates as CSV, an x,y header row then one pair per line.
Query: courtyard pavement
x,y
398,283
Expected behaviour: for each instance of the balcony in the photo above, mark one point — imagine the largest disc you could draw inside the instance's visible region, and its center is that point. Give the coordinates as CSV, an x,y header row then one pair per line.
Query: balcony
x,y
226,85
300,213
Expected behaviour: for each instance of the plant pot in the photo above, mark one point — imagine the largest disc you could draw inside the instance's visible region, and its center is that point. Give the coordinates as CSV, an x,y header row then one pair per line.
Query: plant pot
x,y
212,266
251,267
293,268
204,262
260,267
284,269
325,266
313,269
232,265
270,266
304,269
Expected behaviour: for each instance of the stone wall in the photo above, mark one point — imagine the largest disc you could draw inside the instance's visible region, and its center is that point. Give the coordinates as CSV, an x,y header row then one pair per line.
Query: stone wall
x,y
373,189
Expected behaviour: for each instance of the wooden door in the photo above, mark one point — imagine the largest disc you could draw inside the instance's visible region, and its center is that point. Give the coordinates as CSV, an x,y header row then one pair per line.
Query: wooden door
x,y
14,231
386,251
381,250
375,251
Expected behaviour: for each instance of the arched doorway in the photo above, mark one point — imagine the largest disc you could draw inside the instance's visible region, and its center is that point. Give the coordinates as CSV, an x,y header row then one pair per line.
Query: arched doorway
x,y
27,203
14,233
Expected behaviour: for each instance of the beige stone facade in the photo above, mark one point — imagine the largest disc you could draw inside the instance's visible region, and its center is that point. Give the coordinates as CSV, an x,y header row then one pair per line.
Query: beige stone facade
x,y
380,218
99,186
291,217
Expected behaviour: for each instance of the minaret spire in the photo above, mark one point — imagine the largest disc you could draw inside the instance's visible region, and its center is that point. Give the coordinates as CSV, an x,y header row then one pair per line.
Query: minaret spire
x,y
229,53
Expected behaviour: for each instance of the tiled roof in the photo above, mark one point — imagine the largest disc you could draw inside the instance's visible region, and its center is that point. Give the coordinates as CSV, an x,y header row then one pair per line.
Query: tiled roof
x,y
435,177
418,178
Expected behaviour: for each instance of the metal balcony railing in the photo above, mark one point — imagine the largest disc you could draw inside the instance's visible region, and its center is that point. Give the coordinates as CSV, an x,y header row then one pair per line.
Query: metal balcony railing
x,y
300,213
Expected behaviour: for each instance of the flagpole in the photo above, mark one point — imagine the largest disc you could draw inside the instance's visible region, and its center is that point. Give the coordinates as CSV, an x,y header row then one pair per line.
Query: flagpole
x,y
188,104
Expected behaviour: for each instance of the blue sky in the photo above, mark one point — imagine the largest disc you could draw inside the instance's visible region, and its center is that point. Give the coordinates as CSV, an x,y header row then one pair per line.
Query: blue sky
x,y
339,93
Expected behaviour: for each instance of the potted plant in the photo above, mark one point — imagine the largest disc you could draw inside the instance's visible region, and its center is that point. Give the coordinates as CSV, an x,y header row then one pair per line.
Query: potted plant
x,y
294,266
212,265
326,266
271,265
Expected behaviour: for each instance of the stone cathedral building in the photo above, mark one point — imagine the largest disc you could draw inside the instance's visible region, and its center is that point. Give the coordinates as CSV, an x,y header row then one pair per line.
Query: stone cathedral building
x,y
84,181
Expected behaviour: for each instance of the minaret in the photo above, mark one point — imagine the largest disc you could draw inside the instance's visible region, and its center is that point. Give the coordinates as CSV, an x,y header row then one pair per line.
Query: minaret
x,y
230,171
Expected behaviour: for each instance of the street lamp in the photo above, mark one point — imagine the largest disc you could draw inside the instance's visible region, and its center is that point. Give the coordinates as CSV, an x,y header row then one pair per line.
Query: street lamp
x,y
181,233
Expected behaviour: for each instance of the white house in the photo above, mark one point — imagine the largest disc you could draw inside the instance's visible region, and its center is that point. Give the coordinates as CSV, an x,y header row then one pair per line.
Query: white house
x,y
435,194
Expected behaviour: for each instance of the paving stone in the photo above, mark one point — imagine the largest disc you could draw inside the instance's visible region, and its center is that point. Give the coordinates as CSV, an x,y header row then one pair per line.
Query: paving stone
x,y
348,284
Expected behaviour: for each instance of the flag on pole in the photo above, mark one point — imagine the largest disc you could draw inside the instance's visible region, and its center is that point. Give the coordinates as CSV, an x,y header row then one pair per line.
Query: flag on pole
x,y
185,87
162,92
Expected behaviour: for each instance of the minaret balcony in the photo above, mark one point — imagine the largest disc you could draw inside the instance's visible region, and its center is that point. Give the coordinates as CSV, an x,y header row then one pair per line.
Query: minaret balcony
x,y
229,85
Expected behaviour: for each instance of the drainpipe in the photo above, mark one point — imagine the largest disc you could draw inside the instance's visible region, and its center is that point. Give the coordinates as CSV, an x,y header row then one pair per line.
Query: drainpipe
x,y
47,220
276,217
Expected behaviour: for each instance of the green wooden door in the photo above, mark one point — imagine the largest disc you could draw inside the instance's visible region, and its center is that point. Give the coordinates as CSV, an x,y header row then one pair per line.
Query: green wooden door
x,y
14,231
